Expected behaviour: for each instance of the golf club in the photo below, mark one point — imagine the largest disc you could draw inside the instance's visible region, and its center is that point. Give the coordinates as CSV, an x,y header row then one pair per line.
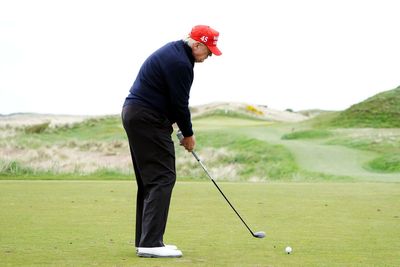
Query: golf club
x,y
255,234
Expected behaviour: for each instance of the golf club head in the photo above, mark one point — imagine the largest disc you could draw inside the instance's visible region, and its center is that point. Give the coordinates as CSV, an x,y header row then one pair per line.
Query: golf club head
x,y
259,234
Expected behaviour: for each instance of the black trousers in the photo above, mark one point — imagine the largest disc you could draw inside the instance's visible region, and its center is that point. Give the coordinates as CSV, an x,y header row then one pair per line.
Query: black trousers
x,y
153,157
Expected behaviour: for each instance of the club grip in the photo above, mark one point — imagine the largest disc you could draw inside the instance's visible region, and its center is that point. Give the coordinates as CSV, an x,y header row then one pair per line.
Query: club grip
x,y
179,135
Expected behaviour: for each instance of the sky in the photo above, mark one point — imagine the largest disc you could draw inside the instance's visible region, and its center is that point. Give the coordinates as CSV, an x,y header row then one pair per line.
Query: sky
x,y
81,57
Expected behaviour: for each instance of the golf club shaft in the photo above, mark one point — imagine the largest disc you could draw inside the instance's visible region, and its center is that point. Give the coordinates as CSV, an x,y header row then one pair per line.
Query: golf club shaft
x,y
219,189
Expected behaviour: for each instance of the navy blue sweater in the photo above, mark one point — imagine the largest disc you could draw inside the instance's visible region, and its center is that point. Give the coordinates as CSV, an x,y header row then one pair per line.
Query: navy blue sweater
x,y
163,84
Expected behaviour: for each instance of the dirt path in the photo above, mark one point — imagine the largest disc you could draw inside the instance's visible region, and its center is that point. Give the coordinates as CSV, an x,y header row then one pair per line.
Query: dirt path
x,y
329,159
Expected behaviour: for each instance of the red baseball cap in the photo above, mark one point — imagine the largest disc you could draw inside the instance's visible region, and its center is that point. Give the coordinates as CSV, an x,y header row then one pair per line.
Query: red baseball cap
x,y
208,36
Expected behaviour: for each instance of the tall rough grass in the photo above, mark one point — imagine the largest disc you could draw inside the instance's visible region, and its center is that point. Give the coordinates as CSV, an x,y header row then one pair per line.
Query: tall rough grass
x,y
14,168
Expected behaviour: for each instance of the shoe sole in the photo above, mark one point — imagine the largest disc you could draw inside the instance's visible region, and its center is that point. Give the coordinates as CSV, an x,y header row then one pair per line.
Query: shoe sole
x,y
146,255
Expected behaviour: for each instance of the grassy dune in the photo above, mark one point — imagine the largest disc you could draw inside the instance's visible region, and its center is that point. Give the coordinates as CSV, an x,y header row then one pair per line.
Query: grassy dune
x,y
379,111
98,149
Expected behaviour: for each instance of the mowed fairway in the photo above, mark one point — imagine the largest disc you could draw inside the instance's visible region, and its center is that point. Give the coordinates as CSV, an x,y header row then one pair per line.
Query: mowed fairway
x,y
79,223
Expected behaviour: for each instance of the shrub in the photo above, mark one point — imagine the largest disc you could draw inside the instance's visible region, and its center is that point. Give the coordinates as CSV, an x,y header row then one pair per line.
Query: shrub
x,y
36,128
307,134
386,163
254,110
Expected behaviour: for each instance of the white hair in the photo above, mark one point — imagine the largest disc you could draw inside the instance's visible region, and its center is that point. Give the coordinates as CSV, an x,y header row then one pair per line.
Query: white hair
x,y
189,41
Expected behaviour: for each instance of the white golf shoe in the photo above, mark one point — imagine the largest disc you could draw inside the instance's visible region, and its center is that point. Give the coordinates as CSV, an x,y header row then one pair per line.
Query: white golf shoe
x,y
168,251
171,247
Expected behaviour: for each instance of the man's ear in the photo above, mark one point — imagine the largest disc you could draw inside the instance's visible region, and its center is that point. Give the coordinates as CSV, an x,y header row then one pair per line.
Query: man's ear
x,y
196,45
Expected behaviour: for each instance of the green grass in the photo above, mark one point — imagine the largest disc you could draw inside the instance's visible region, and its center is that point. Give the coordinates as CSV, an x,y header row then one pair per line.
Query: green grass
x,y
91,223
88,223
365,143
387,147
385,142
307,134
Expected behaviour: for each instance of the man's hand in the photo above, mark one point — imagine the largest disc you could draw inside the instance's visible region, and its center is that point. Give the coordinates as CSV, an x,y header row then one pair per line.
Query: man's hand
x,y
188,143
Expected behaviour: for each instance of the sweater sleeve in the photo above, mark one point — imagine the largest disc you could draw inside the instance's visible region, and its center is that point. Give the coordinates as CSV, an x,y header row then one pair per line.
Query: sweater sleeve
x,y
179,79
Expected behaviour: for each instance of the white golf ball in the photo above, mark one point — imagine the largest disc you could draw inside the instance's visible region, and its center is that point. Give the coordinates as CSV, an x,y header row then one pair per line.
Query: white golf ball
x,y
288,250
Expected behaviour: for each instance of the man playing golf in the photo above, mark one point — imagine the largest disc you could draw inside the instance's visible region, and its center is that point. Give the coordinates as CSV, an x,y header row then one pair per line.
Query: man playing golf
x,y
158,98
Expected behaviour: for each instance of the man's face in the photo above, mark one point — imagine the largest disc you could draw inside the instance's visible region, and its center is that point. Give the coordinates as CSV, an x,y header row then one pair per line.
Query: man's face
x,y
200,52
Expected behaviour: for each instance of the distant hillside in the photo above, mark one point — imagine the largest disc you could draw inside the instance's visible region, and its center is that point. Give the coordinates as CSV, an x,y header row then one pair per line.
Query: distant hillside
x,y
249,111
25,119
379,111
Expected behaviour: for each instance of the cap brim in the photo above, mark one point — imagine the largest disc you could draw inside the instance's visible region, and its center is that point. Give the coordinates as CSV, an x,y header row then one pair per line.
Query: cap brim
x,y
215,50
